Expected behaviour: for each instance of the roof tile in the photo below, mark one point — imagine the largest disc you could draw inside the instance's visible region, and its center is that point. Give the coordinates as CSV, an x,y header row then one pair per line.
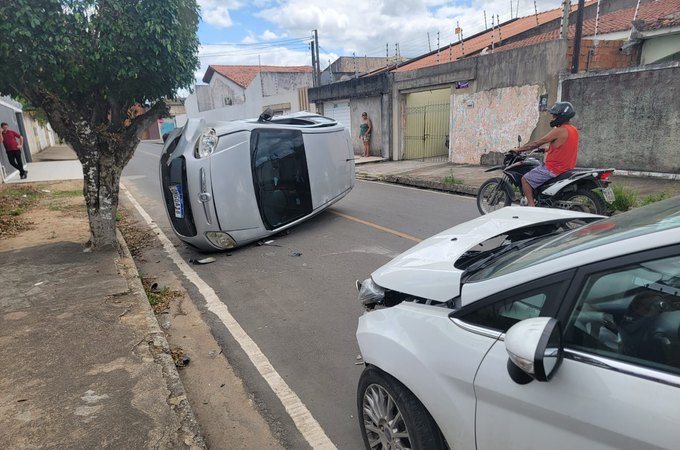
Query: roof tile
x,y
654,15
244,75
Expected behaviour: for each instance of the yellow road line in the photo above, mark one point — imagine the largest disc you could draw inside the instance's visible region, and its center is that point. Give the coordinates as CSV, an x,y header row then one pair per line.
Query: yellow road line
x,y
376,226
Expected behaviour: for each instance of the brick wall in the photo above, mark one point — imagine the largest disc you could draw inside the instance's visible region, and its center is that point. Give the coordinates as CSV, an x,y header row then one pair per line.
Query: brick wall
x,y
600,55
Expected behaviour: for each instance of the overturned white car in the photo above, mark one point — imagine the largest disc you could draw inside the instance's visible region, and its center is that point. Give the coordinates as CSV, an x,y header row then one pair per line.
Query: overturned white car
x,y
231,183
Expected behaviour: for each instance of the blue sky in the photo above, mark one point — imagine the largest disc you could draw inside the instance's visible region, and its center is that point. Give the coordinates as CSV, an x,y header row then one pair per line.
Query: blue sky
x,y
277,32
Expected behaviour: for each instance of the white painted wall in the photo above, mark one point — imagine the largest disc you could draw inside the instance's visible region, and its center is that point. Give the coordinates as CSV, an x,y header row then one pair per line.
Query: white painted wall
x,y
658,48
249,102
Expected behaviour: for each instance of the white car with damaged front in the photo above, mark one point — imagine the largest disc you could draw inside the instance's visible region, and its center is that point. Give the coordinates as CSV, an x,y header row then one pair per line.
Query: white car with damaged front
x,y
535,339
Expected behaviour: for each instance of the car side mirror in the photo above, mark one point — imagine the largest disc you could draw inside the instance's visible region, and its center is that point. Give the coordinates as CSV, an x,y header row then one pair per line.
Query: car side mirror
x,y
535,347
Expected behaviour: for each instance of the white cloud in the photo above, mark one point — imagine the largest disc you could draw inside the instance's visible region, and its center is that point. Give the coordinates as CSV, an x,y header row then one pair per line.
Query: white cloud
x,y
216,12
347,26
366,27
269,36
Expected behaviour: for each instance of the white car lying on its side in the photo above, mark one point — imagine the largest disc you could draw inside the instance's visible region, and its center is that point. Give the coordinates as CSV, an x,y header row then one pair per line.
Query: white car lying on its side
x,y
231,183
527,328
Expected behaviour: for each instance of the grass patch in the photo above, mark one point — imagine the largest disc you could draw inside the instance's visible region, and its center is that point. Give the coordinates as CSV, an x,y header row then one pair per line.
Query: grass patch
x,y
73,193
14,202
450,179
653,198
625,198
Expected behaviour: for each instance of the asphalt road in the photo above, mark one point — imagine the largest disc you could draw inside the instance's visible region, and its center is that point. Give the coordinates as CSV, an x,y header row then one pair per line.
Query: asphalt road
x,y
302,310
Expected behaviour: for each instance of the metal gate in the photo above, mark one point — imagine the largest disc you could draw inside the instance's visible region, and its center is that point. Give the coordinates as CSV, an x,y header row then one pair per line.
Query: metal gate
x,y
427,132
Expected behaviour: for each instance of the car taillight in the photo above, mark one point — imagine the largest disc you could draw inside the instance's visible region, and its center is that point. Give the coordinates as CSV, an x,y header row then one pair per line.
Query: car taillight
x,y
605,175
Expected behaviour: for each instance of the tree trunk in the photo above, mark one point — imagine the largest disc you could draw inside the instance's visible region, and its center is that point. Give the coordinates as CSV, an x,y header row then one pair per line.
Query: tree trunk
x,y
101,183
103,148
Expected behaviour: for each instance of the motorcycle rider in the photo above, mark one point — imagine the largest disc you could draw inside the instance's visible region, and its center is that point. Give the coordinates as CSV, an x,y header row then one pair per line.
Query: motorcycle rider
x,y
561,154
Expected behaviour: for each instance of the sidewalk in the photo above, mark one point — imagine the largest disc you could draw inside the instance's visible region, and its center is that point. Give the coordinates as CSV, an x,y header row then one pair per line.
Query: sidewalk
x,y
465,179
85,364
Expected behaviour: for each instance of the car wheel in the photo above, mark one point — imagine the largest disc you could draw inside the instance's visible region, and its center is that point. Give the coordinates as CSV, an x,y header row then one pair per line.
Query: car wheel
x,y
391,417
492,195
585,200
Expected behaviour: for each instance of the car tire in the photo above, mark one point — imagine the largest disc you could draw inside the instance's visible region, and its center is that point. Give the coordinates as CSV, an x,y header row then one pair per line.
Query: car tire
x,y
391,417
493,194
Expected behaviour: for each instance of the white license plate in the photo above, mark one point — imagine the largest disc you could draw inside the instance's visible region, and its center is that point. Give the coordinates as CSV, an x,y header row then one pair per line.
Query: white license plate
x,y
608,194
178,200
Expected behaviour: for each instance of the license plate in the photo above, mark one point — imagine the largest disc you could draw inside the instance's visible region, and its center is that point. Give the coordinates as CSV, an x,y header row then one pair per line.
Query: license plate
x,y
608,194
178,200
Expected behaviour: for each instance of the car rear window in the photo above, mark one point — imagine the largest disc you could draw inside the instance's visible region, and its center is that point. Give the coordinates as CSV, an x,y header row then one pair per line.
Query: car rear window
x,y
638,222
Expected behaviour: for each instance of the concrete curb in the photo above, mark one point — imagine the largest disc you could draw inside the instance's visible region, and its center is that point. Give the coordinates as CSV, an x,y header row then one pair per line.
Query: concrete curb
x,y
420,183
189,433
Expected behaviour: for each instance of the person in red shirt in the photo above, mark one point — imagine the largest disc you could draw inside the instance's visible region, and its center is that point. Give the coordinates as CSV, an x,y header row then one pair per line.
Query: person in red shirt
x,y
13,143
561,154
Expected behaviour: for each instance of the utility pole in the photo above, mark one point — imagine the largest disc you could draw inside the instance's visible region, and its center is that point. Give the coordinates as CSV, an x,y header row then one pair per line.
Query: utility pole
x,y
315,82
577,37
566,6
318,61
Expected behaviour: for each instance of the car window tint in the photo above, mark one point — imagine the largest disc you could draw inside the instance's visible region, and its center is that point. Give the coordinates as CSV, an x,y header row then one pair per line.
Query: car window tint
x,y
280,176
631,314
638,222
506,312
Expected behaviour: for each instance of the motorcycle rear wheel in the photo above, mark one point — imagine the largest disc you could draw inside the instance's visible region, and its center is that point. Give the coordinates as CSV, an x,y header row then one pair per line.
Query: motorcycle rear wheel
x,y
492,195
585,200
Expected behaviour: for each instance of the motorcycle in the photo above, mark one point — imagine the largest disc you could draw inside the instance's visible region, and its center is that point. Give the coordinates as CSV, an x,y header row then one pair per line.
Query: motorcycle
x,y
574,190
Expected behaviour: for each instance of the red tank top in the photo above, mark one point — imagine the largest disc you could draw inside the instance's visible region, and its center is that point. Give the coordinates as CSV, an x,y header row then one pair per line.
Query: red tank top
x,y
563,158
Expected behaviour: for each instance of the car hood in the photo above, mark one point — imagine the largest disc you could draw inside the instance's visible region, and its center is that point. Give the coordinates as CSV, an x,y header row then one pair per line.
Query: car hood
x,y
427,270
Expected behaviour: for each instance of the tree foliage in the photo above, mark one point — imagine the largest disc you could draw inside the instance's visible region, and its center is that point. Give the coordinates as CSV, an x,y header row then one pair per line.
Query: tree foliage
x,y
86,63
97,53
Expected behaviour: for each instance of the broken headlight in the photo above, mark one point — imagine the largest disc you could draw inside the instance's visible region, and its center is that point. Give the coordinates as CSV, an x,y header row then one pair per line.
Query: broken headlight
x,y
370,294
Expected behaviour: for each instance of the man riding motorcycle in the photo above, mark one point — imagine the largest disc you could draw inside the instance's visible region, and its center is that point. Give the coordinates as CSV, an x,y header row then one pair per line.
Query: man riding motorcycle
x,y
561,154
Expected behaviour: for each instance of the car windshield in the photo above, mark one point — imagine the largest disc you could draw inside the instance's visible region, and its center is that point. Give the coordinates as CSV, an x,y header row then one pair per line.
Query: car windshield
x,y
638,222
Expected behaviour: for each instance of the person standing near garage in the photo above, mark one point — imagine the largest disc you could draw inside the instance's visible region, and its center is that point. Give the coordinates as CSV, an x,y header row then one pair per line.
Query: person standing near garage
x,y
13,143
365,133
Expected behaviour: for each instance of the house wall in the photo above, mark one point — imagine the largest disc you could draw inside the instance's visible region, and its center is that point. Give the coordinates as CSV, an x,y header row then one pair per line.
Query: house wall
x,y
603,54
628,118
39,137
266,89
505,86
658,48
278,83
370,94
280,90
373,107
490,121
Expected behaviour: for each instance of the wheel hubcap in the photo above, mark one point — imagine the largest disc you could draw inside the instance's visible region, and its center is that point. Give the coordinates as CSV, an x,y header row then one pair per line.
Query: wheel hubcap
x,y
383,421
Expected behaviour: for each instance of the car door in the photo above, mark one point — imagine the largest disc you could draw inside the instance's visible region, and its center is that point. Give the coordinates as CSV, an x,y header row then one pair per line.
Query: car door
x,y
619,384
331,164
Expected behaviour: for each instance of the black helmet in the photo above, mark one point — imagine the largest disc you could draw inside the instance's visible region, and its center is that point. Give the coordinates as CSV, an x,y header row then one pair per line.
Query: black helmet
x,y
563,111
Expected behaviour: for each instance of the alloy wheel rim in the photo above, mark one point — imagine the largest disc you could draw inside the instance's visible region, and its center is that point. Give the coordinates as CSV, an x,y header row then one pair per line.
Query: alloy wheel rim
x,y
383,421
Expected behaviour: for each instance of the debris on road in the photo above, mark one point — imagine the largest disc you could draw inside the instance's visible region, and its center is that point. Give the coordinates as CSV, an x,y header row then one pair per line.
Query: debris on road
x,y
295,254
207,260
178,356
